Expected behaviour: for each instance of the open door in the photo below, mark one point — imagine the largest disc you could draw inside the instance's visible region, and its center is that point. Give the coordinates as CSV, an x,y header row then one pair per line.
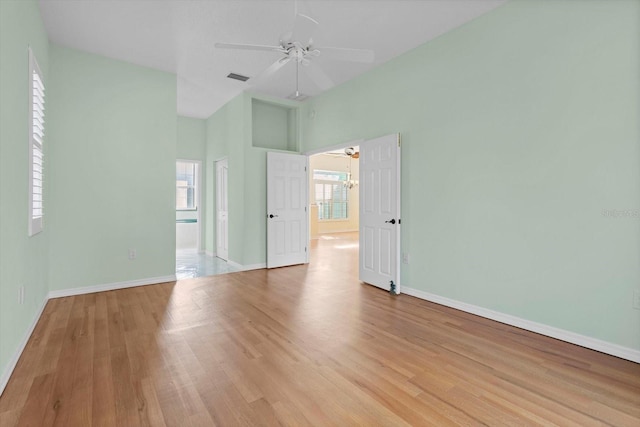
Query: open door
x,y
222,213
380,212
287,216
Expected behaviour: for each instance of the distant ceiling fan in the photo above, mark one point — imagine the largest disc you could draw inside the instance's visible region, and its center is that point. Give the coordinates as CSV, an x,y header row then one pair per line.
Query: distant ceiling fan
x,y
352,152
298,46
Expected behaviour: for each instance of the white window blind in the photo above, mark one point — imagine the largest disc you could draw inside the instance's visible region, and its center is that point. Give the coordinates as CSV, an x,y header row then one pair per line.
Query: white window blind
x,y
186,177
36,151
331,195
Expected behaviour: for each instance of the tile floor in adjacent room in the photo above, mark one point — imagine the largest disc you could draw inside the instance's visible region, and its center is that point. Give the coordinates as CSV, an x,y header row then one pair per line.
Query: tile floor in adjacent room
x,y
190,263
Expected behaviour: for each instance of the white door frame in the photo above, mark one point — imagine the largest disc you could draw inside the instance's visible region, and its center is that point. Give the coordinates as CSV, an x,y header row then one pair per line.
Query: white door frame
x,y
224,257
340,146
198,197
360,142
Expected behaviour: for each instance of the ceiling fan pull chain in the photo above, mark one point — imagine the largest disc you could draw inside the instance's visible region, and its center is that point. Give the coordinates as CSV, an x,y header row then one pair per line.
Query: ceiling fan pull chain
x,y
297,78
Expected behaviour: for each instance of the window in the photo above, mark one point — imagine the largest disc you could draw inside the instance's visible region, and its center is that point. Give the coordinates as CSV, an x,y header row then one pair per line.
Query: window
x,y
186,185
331,195
36,151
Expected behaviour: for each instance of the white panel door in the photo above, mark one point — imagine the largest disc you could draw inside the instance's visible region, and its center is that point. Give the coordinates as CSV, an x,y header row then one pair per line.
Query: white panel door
x,y
222,210
380,212
287,220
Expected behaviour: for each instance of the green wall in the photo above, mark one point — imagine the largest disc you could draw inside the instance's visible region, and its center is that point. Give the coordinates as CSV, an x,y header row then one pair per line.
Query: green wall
x,y
273,125
230,134
113,129
519,129
23,260
191,140
226,138
191,145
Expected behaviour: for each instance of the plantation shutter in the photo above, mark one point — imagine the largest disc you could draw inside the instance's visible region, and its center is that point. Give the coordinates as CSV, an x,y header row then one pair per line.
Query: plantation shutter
x,y
36,151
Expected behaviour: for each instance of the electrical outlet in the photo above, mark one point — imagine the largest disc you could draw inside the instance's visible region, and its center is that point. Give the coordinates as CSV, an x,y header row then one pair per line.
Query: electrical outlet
x,y
132,254
21,295
636,299
405,257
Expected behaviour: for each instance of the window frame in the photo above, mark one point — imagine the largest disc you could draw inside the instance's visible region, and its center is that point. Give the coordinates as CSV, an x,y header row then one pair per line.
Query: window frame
x,y
194,186
325,182
36,148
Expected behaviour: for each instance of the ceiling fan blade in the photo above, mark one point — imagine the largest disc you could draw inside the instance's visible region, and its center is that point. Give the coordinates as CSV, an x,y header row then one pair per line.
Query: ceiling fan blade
x,y
347,54
318,76
304,27
248,47
270,71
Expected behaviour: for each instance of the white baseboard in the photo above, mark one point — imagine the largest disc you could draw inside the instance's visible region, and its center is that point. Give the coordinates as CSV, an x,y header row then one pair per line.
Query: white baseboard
x,y
4,379
248,267
339,231
209,253
550,331
111,286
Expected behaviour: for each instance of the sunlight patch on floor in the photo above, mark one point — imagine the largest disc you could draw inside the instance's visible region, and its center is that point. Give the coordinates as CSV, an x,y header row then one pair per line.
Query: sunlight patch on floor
x,y
347,246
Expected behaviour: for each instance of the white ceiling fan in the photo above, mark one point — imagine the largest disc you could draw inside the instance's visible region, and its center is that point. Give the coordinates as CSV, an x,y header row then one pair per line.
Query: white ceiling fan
x,y
297,46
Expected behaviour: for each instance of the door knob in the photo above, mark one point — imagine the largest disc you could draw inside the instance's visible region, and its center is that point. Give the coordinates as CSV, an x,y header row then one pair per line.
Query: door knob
x,y
392,221
272,216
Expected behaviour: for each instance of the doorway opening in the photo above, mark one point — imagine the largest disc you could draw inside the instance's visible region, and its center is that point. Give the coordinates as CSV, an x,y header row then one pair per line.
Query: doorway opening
x,y
334,183
187,201
376,187
191,261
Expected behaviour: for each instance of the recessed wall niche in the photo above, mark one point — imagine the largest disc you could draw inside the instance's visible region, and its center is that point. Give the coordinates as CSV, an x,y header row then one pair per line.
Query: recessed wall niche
x,y
274,126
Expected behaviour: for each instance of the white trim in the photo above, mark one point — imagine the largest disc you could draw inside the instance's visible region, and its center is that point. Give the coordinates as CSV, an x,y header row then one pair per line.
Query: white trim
x,y
399,214
307,210
248,267
111,286
13,361
550,331
221,191
209,253
333,147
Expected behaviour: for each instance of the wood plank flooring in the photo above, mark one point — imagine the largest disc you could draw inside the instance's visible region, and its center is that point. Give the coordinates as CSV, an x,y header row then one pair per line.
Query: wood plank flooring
x,y
304,345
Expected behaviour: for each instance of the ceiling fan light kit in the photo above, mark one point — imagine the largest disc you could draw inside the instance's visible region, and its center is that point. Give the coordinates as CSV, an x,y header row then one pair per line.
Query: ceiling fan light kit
x,y
350,183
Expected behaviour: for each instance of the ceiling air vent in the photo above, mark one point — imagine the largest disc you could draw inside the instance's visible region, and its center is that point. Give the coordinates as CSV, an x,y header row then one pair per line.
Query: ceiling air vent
x,y
238,77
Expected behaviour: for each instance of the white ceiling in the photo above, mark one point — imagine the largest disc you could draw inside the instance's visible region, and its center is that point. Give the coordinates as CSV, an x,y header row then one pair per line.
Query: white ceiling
x,y
178,36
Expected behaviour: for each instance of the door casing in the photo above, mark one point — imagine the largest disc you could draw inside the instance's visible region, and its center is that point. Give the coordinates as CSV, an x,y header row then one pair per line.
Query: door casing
x,y
222,209
397,201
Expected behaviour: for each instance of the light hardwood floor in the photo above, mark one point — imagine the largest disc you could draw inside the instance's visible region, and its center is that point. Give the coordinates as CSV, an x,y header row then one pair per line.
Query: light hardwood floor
x,y
305,345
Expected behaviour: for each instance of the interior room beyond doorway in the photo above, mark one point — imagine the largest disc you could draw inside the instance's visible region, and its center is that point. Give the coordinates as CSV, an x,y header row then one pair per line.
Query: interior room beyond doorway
x,y
334,193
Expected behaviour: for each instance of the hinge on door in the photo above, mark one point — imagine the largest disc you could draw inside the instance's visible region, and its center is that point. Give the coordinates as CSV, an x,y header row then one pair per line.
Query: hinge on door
x,y
305,249
392,288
